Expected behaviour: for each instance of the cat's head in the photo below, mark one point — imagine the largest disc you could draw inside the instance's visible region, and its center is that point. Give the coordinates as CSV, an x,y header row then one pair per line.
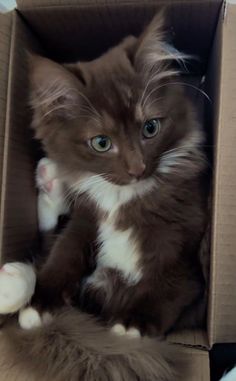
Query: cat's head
x,y
123,116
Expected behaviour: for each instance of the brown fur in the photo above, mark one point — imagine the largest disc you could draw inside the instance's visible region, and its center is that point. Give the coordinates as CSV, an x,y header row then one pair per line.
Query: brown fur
x,y
114,95
74,347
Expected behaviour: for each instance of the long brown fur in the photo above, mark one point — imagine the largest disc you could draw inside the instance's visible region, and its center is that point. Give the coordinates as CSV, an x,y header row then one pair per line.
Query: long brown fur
x,y
75,347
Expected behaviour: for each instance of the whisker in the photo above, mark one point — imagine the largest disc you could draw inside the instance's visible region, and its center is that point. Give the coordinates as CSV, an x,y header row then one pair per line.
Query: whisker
x,y
155,100
157,76
182,148
90,104
177,83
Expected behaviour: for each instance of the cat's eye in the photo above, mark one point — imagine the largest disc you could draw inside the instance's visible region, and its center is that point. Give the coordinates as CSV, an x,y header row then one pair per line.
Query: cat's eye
x,y
101,143
151,128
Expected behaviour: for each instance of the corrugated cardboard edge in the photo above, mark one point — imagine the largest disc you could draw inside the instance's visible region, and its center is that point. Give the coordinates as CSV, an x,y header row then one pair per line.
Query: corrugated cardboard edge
x,y
223,282
5,47
30,4
199,367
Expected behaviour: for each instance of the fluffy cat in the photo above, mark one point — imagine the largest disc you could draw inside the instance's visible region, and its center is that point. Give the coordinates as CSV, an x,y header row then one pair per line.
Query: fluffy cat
x,y
127,144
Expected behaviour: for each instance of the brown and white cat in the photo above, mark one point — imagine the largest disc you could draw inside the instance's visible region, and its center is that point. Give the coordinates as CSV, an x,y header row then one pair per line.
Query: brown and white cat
x,y
126,142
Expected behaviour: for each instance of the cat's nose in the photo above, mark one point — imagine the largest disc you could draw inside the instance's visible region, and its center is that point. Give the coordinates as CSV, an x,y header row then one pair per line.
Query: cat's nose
x,y
137,170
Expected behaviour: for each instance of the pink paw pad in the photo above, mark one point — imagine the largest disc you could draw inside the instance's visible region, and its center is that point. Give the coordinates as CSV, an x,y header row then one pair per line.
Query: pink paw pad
x,y
46,173
48,186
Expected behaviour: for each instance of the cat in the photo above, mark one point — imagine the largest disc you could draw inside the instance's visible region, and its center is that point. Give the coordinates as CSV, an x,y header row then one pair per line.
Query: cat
x,y
128,145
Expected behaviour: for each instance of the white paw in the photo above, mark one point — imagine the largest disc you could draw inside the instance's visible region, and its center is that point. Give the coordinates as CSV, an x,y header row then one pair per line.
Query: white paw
x,y
133,332
29,318
17,285
120,330
51,198
46,172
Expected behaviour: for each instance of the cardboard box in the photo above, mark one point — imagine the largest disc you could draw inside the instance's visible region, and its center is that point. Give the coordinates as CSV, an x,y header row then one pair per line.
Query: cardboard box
x,y
82,29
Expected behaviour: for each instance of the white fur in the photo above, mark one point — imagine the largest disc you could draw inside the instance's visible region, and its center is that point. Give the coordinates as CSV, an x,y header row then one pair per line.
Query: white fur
x,y
100,279
120,330
29,318
178,155
231,376
133,333
109,197
119,250
51,204
51,172
17,284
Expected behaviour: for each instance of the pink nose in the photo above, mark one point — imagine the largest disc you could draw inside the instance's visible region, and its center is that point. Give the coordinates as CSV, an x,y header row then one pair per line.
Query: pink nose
x,y
137,170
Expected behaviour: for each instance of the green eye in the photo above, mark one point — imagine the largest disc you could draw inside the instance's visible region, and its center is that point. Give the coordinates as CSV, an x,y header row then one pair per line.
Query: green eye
x,y
151,128
101,143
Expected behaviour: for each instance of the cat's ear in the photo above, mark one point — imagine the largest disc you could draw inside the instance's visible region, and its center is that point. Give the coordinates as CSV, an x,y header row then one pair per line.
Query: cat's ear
x,y
130,44
54,90
153,53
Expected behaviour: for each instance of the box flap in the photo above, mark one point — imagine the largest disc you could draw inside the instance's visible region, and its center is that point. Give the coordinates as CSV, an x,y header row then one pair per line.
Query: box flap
x,y
18,218
198,369
44,3
222,327
5,44
196,338
96,25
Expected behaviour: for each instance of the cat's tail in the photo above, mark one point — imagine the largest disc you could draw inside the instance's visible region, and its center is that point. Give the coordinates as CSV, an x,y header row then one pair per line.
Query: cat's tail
x,y
75,347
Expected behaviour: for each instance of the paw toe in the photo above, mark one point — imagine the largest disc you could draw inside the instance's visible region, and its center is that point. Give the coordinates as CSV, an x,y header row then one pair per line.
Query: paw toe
x,y
29,318
133,333
118,329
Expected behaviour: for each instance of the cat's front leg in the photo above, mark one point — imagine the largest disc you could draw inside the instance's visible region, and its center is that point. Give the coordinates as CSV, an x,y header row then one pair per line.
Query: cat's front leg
x,y
67,263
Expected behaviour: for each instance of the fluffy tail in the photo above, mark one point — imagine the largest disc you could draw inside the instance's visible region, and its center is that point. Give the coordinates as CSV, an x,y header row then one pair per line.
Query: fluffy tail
x,y
75,347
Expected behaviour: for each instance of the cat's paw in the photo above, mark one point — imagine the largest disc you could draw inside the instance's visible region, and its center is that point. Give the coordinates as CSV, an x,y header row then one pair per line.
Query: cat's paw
x,y
133,333
51,198
30,318
46,172
120,330
17,285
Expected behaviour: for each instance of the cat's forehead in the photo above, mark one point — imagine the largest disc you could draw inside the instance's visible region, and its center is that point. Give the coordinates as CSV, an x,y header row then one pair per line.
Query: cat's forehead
x,y
117,88
115,96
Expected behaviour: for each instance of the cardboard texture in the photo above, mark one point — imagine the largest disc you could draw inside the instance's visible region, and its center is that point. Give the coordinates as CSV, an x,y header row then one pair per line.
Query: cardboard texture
x,y
223,265
206,28
5,39
18,216
101,24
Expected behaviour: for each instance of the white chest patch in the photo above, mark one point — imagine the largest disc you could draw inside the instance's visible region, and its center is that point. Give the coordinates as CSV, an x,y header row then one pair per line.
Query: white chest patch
x,y
119,251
